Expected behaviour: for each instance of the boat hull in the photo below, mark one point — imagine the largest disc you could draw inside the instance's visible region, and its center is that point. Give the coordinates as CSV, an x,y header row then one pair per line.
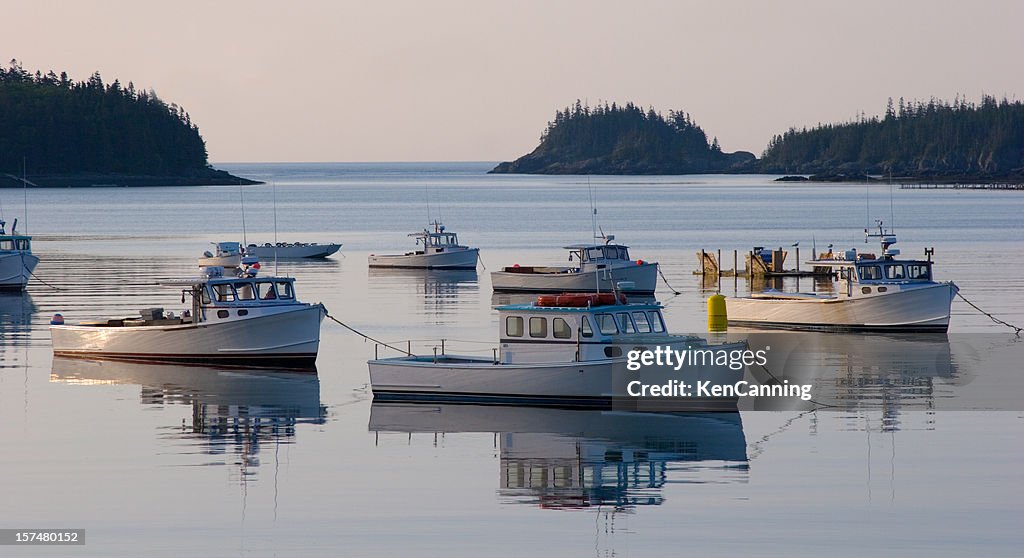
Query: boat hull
x,y
918,309
15,269
287,339
590,384
459,259
293,252
643,276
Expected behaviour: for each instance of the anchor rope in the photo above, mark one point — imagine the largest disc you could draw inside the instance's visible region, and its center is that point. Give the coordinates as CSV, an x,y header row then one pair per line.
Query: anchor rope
x,y
670,287
363,335
34,275
1017,329
819,404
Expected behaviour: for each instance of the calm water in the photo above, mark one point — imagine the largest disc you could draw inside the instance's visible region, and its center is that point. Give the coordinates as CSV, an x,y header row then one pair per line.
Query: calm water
x,y
167,461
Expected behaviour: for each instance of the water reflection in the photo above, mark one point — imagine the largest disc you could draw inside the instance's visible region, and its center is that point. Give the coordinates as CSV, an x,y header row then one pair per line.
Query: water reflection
x,y
891,372
573,459
16,310
441,291
234,411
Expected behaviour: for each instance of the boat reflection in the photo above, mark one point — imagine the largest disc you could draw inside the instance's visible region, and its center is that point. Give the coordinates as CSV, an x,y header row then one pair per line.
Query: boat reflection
x,y
891,372
16,310
233,410
575,459
440,290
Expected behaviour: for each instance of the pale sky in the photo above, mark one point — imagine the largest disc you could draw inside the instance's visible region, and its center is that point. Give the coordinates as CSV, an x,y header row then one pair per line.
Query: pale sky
x,y
475,80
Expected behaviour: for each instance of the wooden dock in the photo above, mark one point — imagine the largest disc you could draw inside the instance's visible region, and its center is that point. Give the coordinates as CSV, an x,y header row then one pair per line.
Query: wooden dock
x,y
710,263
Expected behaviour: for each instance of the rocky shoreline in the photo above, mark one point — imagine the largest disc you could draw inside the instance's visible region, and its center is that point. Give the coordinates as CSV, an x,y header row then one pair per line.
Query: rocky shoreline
x,y
210,177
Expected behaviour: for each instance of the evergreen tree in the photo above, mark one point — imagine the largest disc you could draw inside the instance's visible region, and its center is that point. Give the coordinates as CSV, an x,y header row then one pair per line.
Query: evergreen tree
x,y
62,127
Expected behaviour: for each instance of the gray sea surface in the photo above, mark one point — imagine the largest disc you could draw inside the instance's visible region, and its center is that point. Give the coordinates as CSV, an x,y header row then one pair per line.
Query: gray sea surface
x,y
919,453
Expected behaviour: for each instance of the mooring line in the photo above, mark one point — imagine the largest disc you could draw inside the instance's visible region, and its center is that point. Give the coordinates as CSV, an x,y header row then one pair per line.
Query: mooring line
x,y
36,276
363,335
819,404
1016,329
670,287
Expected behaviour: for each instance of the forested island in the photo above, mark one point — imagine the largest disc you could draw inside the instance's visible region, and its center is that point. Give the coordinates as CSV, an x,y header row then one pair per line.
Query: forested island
x,y
934,141
612,139
65,133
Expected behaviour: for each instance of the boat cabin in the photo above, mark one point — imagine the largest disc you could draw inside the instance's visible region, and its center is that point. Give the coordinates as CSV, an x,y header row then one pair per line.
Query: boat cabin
x,y
599,256
530,333
878,274
14,242
437,240
217,297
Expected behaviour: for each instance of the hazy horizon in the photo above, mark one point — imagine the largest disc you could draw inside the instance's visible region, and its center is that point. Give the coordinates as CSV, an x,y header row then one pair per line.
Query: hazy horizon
x,y
478,82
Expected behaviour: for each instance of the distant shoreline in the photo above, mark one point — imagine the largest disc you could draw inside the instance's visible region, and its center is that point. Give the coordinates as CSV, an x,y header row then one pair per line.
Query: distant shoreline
x,y
212,177
925,179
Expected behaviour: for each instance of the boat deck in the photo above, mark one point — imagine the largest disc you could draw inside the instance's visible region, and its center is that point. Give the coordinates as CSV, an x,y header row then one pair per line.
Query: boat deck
x,y
778,295
133,322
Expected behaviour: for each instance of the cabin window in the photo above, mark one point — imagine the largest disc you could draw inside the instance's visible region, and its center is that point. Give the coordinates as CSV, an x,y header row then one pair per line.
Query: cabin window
x,y
245,291
594,254
223,293
222,313
21,244
6,244
243,312
538,327
560,329
585,329
919,271
266,291
606,324
514,326
657,326
894,271
612,352
205,296
285,290
626,324
642,325
869,272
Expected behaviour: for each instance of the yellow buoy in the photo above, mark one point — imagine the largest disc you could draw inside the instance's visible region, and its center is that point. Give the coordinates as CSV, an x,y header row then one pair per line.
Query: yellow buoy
x,y
718,319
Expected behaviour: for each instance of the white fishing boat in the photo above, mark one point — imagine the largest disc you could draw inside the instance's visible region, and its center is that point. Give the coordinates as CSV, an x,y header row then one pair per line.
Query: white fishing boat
x,y
441,250
561,350
291,250
225,254
16,259
875,293
236,318
601,268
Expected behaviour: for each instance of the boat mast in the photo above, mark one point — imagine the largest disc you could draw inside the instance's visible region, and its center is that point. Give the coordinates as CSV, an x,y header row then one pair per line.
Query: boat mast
x,y
241,199
274,190
593,227
24,185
